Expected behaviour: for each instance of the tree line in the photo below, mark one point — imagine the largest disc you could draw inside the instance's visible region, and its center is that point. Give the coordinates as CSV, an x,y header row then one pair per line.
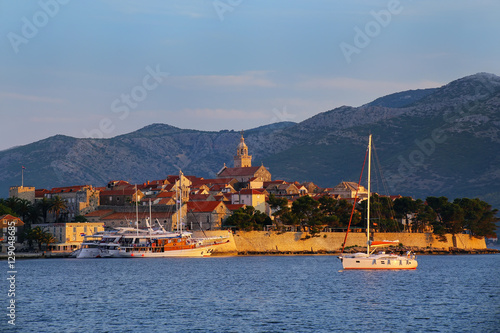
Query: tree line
x,y
472,216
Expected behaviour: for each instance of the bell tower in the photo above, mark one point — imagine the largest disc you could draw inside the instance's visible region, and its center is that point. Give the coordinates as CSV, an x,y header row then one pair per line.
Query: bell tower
x,y
242,159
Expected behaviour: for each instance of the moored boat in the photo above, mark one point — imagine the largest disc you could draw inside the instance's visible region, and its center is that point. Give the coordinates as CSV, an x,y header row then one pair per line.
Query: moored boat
x,y
371,260
175,245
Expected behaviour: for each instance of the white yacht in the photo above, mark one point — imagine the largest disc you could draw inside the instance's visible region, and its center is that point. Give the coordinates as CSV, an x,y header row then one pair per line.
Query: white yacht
x,y
370,260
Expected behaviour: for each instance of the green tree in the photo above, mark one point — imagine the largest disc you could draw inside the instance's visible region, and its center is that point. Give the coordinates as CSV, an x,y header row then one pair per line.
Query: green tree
x,y
23,208
425,216
450,216
40,236
479,217
307,211
282,213
43,206
80,218
57,206
403,207
343,211
5,210
382,217
248,219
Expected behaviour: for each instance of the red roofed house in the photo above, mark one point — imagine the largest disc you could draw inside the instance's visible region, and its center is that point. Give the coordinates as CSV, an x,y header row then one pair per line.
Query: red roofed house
x,y
7,221
250,197
206,215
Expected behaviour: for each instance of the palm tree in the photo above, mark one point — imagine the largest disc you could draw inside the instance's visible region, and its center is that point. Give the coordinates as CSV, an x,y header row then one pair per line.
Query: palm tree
x,y
23,208
11,202
57,206
44,206
33,216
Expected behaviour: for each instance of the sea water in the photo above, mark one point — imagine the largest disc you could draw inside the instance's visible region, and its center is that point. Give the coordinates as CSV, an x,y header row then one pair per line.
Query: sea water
x,y
253,294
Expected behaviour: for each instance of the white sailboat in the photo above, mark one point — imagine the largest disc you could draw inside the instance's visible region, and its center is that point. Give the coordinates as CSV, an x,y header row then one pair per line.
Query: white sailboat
x,y
370,260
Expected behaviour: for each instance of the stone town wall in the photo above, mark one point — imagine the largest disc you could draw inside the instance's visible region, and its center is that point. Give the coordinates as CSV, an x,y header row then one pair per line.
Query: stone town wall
x,y
262,241
224,248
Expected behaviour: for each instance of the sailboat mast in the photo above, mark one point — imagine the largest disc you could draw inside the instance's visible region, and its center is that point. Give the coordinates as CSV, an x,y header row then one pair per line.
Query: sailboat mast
x,y
369,189
150,218
179,191
136,211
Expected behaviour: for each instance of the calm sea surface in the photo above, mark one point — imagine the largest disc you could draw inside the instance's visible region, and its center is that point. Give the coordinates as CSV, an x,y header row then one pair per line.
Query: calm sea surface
x,y
253,294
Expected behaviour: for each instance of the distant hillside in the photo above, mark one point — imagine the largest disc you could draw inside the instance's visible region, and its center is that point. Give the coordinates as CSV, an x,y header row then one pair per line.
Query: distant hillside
x,y
441,141
402,99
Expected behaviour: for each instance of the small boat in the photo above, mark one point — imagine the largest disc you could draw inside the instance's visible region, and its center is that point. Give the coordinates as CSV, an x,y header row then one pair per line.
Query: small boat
x,y
371,260
89,248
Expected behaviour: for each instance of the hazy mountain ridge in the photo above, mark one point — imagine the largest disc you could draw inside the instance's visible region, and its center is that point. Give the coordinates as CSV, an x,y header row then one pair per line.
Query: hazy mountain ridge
x,y
444,141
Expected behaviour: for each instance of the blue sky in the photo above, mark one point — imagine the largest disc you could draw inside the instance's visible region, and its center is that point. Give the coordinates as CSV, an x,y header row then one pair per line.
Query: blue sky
x,y
104,68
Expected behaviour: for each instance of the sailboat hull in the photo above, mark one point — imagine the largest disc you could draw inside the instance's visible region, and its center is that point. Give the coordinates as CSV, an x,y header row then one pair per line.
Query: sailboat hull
x,y
379,261
204,251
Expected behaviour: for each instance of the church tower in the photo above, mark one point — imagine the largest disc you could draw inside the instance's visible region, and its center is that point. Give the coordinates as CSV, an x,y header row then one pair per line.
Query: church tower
x,y
242,159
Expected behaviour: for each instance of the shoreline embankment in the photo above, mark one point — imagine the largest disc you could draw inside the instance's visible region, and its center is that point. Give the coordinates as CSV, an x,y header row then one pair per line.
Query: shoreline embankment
x,y
297,243
327,243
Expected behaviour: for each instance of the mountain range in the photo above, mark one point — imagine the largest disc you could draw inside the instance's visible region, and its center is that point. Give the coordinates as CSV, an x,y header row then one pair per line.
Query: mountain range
x,y
429,142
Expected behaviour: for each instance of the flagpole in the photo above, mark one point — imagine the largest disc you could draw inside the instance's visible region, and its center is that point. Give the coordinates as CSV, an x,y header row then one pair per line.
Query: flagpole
x,y
22,176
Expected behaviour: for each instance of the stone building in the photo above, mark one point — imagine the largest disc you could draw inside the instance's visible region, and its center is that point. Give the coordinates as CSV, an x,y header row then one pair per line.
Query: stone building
x,y
22,192
243,170
347,190
69,235
80,200
206,215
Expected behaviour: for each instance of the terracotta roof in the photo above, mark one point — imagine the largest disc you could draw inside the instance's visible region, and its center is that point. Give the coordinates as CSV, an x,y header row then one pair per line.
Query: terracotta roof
x,y
99,213
245,171
214,181
166,195
249,191
233,207
7,218
203,206
67,189
169,187
166,201
274,182
41,192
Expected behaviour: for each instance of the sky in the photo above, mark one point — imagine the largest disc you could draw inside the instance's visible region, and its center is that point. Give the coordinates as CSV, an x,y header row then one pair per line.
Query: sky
x,y
105,68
